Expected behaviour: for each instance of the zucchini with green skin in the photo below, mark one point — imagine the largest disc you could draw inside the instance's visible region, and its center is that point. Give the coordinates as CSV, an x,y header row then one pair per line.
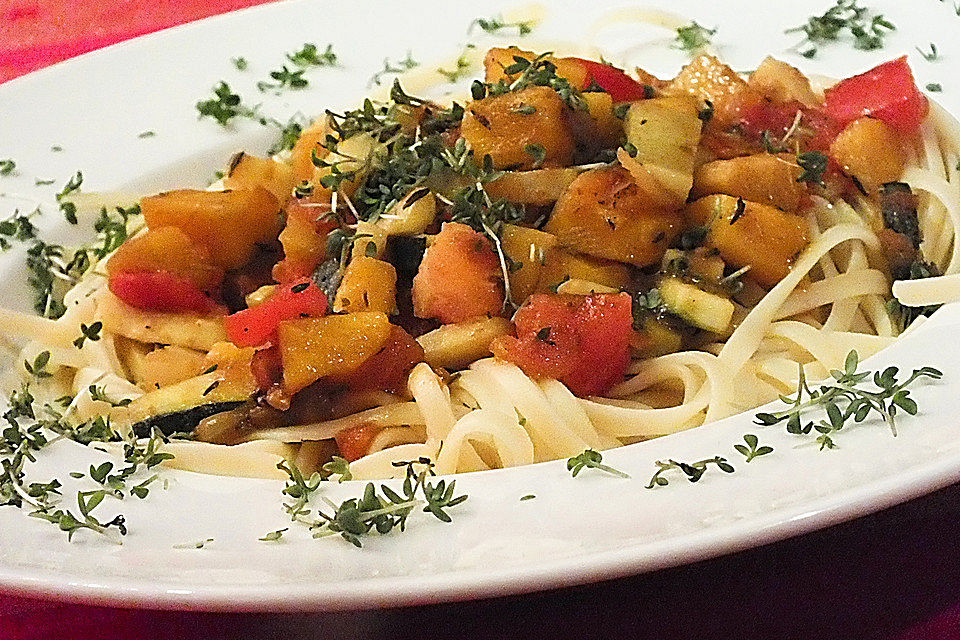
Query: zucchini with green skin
x,y
183,421
695,306
178,408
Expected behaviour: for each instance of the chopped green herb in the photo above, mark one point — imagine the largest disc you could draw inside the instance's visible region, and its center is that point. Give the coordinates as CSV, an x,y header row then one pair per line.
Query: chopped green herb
x,y
390,68
240,63
591,459
273,536
38,369
309,55
868,31
931,55
693,37
813,163
496,24
146,134
7,166
285,79
91,332
224,106
67,208
462,66
41,182
529,496
692,470
537,152
751,450
934,87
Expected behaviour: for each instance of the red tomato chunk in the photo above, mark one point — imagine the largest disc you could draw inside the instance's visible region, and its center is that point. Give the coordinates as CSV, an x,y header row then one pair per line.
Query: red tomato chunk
x,y
887,92
620,86
583,341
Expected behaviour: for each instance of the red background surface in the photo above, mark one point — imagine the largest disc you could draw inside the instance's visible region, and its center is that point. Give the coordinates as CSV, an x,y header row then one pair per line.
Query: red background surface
x,y
894,575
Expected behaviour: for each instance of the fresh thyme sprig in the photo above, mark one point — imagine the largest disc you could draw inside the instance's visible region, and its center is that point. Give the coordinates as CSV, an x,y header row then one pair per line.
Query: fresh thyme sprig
x,y
591,459
495,24
390,68
223,106
693,37
68,208
843,398
692,470
309,56
868,31
931,55
356,517
87,501
751,450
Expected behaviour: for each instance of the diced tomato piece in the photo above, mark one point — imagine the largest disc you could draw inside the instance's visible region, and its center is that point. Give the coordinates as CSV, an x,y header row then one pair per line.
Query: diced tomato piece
x,y
354,442
387,369
886,92
459,277
258,325
620,86
160,291
604,323
583,341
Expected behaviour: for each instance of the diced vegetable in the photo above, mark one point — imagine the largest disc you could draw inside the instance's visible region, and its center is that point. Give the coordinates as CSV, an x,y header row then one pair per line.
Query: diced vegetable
x,y
387,369
454,346
499,58
656,338
368,284
166,249
169,365
561,266
527,250
314,348
887,92
750,234
764,178
537,187
309,143
194,331
701,263
369,241
597,127
354,442
584,288
353,156
581,341
504,128
699,308
615,82
780,82
410,216
258,325
228,223
459,277
665,133
160,291
870,151
605,214
708,79
249,172
304,240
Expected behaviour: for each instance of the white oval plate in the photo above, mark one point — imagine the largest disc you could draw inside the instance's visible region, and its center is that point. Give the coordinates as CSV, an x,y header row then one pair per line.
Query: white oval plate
x,y
575,530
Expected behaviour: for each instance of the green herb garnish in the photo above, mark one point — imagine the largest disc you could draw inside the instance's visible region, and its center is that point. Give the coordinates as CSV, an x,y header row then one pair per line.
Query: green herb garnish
x,y
692,470
751,450
309,55
693,37
868,31
591,459
496,24
843,398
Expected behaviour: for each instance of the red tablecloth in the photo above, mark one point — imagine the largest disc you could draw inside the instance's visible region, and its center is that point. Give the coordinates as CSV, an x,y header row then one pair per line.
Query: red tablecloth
x,y
894,575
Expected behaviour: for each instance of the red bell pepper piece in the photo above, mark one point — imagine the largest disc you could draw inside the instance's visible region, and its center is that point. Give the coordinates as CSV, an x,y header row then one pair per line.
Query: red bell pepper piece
x,y
258,325
354,442
887,92
620,86
160,291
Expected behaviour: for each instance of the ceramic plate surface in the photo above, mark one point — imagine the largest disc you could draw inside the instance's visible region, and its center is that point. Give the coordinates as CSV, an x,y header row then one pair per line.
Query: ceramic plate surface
x,y
575,530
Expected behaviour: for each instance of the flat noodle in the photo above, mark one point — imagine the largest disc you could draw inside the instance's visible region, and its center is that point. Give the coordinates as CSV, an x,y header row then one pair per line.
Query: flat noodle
x,y
833,300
